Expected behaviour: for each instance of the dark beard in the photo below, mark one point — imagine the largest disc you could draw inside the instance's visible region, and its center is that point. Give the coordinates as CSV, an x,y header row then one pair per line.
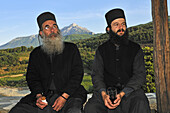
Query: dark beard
x,y
116,39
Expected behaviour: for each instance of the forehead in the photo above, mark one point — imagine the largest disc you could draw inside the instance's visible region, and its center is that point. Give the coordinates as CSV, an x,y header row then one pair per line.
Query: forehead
x,y
48,22
118,20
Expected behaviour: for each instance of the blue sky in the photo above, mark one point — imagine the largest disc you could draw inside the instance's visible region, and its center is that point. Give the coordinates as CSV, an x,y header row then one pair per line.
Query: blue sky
x,y
18,17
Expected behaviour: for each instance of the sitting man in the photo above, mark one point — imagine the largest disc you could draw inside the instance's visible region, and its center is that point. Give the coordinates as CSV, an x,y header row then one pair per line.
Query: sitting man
x,y
118,68
55,71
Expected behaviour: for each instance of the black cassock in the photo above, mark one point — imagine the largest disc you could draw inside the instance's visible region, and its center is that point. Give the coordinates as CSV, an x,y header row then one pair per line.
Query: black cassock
x,y
136,102
64,70
121,66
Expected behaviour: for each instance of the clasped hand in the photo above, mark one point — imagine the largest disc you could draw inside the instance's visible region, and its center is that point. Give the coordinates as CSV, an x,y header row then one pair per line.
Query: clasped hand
x,y
58,104
112,105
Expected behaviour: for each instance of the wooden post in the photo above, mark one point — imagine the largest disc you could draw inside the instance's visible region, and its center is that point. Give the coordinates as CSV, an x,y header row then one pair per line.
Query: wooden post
x,y
161,54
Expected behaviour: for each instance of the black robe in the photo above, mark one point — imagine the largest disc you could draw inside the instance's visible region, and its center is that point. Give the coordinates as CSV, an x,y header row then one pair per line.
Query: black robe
x,y
66,69
122,67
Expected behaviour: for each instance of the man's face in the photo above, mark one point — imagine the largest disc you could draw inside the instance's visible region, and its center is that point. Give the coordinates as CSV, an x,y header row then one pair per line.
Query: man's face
x,y
50,29
118,26
51,38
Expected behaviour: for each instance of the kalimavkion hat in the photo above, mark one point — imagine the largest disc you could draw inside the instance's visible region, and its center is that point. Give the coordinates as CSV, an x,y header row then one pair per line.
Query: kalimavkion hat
x,y
114,14
44,17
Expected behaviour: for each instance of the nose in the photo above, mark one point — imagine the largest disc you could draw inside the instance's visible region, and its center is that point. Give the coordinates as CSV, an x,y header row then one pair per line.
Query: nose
x,y
120,26
52,29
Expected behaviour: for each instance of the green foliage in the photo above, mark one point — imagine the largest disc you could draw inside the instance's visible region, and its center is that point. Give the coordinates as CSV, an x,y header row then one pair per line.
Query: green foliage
x,y
18,49
92,43
13,82
17,69
14,61
87,83
142,34
8,59
150,78
76,37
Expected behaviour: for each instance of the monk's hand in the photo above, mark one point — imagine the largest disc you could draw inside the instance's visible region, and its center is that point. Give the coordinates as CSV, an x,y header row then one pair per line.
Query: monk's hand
x,y
119,97
39,102
60,101
106,98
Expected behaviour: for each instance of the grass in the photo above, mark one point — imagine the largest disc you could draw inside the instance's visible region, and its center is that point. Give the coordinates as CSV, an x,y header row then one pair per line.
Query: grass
x,y
12,78
87,83
13,81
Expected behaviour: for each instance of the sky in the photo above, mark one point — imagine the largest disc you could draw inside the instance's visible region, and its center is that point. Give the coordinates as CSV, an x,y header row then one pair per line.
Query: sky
x,y
18,17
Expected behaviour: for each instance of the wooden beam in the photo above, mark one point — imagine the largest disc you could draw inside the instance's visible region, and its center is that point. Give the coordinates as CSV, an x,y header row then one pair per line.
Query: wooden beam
x,y
161,54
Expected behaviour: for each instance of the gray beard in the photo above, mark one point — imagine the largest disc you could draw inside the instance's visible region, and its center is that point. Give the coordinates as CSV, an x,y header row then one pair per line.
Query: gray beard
x,y
52,46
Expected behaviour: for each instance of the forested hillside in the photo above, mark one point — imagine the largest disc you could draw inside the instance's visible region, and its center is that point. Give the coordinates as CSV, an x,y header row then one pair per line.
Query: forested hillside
x,y
14,61
73,37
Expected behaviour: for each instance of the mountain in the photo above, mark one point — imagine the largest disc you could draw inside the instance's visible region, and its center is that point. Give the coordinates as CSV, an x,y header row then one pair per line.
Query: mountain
x,y
22,41
75,29
71,32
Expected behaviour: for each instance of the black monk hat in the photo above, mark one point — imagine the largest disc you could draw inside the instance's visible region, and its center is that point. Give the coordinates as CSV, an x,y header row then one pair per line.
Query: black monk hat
x,y
114,14
44,17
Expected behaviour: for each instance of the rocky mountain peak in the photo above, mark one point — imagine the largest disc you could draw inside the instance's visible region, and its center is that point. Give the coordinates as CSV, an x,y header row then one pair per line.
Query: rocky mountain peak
x,y
75,29
73,24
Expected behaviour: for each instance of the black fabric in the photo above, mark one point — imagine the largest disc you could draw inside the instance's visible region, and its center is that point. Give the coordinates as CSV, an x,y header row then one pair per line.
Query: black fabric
x,y
72,105
44,17
66,69
24,108
136,102
114,14
137,80
118,63
52,85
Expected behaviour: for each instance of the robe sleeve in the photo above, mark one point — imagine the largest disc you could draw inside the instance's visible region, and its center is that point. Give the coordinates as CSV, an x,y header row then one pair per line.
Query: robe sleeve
x,y
138,78
98,73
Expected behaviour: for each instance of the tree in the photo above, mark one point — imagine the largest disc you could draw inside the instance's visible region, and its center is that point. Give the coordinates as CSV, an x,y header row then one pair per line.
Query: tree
x,y
161,54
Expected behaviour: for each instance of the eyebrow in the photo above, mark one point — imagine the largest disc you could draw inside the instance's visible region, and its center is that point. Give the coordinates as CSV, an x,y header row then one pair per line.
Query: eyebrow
x,y
48,25
118,22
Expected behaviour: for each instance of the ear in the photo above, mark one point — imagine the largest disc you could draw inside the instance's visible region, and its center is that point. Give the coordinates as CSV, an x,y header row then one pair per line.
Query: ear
x,y
40,33
107,29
